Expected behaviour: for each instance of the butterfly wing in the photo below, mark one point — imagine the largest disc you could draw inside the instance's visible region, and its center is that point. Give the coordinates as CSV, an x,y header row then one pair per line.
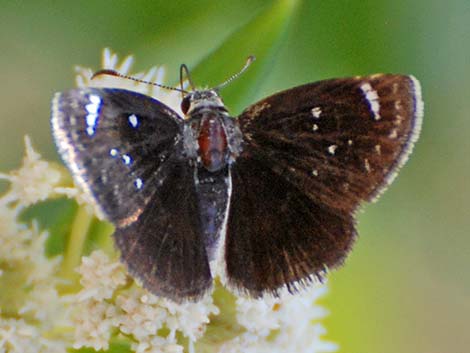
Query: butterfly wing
x,y
115,142
125,151
312,154
164,248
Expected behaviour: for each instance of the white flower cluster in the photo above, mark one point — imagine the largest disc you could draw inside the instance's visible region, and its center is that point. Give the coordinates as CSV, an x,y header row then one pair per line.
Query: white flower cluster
x,y
17,336
104,304
27,277
155,74
285,324
33,182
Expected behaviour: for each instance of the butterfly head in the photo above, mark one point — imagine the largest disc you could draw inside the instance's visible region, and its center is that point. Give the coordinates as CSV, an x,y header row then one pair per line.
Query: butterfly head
x,y
209,98
201,100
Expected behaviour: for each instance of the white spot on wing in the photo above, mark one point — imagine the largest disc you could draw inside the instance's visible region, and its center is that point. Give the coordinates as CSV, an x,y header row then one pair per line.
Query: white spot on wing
x,y
126,159
92,117
316,112
138,183
91,120
332,149
95,99
315,127
367,165
133,120
92,108
398,120
113,152
393,134
373,99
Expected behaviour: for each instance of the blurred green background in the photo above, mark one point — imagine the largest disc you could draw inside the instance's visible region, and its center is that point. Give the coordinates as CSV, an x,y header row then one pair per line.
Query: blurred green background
x,y
406,286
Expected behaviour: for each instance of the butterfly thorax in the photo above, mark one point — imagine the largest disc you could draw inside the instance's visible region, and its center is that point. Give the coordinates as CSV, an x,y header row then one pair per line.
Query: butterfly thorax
x,y
211,136
212,142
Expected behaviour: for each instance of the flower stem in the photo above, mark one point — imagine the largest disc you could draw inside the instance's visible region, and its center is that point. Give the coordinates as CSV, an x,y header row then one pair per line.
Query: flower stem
x,y
76,243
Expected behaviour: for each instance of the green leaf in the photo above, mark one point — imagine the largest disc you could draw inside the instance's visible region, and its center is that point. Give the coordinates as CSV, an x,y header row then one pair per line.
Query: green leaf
x,y
260,37
99,237
56,216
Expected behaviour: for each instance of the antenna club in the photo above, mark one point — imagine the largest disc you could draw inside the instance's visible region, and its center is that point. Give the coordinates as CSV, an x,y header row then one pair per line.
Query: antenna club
x,y
106,72
249,60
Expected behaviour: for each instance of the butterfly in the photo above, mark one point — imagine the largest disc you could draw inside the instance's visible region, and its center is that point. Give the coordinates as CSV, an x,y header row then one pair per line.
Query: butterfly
x,y
266,200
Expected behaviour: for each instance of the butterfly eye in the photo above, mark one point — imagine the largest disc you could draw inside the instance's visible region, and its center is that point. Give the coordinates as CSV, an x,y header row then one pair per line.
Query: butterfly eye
x,y
185,103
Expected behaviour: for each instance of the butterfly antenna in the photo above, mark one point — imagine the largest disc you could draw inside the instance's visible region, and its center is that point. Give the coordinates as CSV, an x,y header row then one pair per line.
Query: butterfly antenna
x,y
117,74
184,68
249,61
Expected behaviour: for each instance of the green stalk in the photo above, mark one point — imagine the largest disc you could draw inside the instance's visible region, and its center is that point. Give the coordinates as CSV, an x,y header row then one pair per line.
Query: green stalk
x,y
75,246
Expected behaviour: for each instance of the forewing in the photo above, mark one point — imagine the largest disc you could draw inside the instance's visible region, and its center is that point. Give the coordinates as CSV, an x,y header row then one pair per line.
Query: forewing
x,y
340,141
116,143
311,155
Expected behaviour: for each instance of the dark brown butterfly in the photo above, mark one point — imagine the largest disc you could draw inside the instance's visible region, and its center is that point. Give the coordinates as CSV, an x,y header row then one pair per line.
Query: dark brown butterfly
x,y
265,200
